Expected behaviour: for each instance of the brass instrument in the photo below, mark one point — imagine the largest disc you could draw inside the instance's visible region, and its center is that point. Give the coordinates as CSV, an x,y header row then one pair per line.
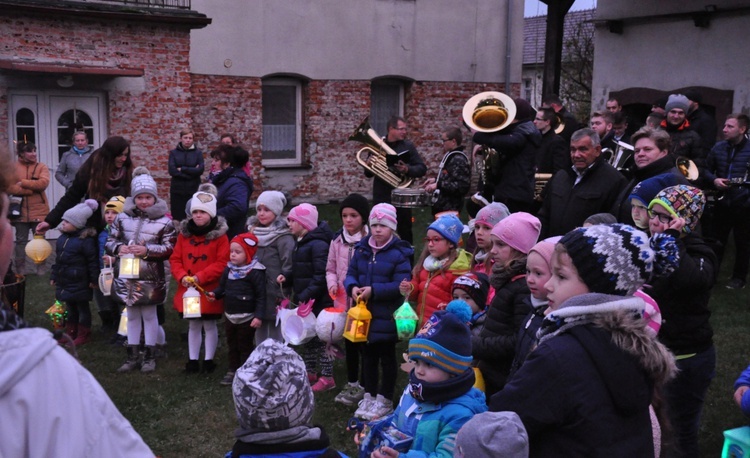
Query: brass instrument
x,y
489,111
540,181
376,151
560,124
687,168
620,156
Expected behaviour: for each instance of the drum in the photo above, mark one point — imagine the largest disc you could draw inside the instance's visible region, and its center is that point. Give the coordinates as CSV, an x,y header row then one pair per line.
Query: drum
x,y
410,198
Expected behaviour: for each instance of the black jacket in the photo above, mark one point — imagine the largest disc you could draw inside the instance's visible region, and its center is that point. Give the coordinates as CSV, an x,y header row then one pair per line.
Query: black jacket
x,y
553,153
245,295
567,205
405,151
190,162
308,275
705,125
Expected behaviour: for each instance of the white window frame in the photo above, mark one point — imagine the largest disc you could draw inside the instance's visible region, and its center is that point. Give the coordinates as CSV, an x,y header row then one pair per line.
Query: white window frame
x,y
297,159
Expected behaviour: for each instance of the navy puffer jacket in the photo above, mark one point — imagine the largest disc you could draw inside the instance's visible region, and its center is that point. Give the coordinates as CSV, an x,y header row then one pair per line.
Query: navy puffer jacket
x,y
730,161
308,275
383,271
234,188
76,265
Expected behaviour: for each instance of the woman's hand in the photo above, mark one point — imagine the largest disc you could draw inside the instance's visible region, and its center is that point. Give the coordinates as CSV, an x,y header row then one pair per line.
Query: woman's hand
x,y
41,228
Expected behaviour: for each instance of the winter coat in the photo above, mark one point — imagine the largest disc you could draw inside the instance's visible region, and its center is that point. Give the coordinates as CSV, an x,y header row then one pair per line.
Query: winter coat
x,y
495,347
70,163
76,265
383,271
76,418
433,289
406,152
153,230
434,426
275,247
705,126
683,297
313,444
553,153
585,391
512,177
201,256
234,190
453,181
34,179
244,295
339,255
567,205
190,162
730,161
526,340
685,142
308,274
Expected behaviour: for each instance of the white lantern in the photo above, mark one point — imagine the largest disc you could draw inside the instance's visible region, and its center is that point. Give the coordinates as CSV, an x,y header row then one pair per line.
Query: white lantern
x,y
191,303
130,266
106,277
122,329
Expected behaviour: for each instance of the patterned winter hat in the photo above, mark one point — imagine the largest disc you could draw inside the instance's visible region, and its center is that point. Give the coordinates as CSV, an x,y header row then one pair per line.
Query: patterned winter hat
x,y
272,200
491,214
249,242
651,313
306,215
682,201
618,259
445,339
143,183
646,190
203,201
476,285
519,230
115,203
449,226
78,215
271,391
385,215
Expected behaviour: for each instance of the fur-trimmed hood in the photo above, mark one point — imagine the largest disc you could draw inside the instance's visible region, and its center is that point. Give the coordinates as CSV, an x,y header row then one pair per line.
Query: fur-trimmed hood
x,y
88,232
155,211
219,231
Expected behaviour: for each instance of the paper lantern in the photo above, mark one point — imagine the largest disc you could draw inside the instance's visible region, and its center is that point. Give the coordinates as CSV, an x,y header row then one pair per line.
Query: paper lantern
x,y
130,266
191,303
57,313
38,249
122,328
298,327
106,277
406,321
330,324
358,323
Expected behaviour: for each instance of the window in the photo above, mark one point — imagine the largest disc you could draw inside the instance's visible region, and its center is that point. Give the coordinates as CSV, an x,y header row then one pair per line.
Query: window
x,y
282,122
527,90
25,126
386,100
70,122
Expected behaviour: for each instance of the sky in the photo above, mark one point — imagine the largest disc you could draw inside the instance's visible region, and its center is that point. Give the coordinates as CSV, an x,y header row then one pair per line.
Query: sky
x,y
537,8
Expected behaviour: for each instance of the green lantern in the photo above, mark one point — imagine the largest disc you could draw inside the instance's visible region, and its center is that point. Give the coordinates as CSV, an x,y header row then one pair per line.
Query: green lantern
x,y
406,321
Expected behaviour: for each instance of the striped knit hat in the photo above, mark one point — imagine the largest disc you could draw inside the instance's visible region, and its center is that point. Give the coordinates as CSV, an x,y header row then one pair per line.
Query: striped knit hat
x,y
385,215
445,340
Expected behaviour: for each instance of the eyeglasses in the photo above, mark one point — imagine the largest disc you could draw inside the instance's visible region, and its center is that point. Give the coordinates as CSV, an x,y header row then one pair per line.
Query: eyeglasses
x,y
446,139
664,219
433,239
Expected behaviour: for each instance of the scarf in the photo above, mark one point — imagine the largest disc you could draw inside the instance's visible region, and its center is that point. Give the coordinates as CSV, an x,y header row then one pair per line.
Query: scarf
x,y
240,272
441,391
375,248
115,180
356,237
268,234
480,256
80,152
202,230
432,264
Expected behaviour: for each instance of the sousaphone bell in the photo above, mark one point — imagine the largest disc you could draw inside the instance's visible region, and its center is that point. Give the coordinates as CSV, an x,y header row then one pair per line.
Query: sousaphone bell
x,y
489,111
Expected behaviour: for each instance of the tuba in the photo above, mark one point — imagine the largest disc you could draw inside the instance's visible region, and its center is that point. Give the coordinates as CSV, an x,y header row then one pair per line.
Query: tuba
x,y
687,168
377,151
620,157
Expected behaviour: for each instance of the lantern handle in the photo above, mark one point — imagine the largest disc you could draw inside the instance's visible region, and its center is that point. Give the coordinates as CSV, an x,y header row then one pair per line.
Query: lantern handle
x,y
107,259
411,289
192,283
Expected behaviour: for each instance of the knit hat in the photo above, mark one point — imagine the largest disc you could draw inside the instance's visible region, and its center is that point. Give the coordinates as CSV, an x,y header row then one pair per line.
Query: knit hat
x,y
203,201
651,313
545,248
524,110
143,183
306,215
646,190
115,203
491,214
78,215
385,215
677,101
492,434
449,226
682,201
519,230
693,95
249,242
476,285
445,340
600,218
271,391
272,200
618,259
358,203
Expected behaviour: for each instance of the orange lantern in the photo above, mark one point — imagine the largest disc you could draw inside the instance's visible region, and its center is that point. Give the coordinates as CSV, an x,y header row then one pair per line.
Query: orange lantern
x,y
358,323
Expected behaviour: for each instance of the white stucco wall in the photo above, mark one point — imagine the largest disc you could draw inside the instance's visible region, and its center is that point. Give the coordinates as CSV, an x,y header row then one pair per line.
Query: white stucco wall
x,y
426,40
670,53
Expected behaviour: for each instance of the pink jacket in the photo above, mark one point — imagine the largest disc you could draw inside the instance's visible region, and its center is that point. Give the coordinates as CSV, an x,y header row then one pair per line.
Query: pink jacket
x,y
339,255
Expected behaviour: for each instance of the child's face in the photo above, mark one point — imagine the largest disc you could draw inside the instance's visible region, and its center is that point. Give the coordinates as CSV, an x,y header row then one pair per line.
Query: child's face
x,y
109,216
67,227
265,216
237,255
200,218
295,228
380,234
658,219
564,282
482,234
352,220
458,293
639,213
426,372
501,252
143,201
537,274
437,245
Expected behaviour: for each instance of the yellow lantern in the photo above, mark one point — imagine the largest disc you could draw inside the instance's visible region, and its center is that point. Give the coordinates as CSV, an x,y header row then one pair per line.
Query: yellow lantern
x,y
130,266
191,303
38,249
122,329
358,323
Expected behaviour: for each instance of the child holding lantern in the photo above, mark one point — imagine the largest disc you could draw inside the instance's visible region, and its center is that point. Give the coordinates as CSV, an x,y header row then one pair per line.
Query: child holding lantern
x,y
379,264
199,258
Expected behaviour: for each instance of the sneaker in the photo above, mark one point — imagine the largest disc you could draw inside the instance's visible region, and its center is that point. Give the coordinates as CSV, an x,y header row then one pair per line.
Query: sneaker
x,y
735,283
312,377
228,379
324,384
364,406
380,408
350,395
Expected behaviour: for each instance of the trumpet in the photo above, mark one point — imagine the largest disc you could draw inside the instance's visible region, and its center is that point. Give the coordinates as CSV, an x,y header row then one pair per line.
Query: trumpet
x,y
373,156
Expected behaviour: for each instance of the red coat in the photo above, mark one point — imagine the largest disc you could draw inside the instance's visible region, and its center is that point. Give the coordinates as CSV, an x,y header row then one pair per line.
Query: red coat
x,y
434,289
202,256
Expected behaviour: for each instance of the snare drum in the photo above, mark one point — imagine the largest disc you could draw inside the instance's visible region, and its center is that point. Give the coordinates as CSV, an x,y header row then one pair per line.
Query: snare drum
x,y
409,198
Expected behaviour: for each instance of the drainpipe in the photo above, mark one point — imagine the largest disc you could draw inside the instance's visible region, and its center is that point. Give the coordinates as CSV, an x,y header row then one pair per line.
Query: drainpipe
x,y
508,47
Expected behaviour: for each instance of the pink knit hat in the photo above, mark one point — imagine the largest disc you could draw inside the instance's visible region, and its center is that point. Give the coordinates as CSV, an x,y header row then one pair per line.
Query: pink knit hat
x,y
306,215
491,214
385,215
519,230
651,314
545,248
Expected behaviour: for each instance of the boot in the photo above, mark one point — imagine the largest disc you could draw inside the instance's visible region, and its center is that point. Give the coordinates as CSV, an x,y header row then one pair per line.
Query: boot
x,y
71,329
192,367
209,366
84,335
149,360
131,363
108,322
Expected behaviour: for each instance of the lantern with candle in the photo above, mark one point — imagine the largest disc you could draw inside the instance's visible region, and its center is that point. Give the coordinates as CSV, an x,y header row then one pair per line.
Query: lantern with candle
x,y
106,277
406,321
358,322
130,266
38,249
191,303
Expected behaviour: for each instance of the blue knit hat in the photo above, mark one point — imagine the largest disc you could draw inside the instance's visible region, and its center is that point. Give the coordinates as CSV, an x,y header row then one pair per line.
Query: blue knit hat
x,y
445,340
646,190
449,226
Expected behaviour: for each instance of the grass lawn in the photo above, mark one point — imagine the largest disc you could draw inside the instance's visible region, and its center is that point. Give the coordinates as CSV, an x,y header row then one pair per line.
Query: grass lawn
x,y
182,415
